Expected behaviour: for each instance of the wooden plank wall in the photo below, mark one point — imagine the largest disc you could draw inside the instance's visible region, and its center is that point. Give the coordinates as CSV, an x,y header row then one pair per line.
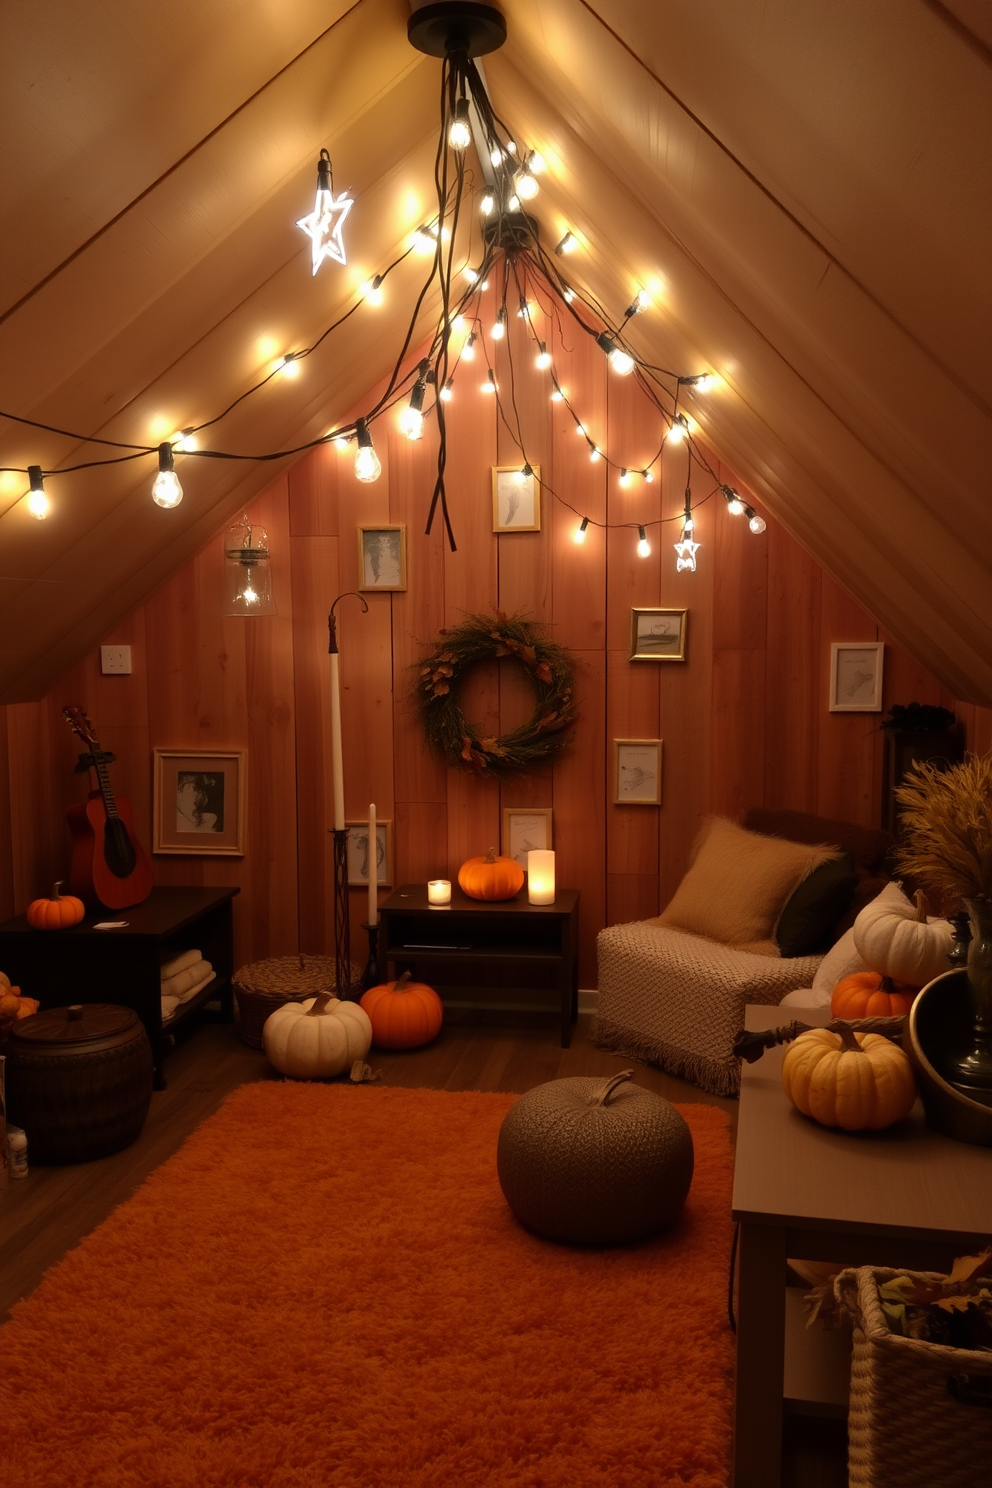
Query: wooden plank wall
x,y
744,720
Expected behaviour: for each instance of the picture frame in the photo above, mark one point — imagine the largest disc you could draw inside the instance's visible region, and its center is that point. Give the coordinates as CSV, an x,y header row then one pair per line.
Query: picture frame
x,y
856,676
199,801
382,558
657,634
525,828
358,863
516,499
637,772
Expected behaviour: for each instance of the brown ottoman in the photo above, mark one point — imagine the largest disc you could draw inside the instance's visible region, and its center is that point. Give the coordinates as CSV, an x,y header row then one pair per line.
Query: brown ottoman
x,y
594,1162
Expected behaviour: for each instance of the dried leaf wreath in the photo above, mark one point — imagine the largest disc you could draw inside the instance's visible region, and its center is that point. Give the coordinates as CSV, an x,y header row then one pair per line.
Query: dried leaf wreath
x,y
549,668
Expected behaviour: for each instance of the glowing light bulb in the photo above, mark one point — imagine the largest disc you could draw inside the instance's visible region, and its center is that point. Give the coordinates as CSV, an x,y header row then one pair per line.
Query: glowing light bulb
x,y
519,476
412,423
736,507
704,384
594,454
648,476
496,156
489,386
511,146
639,303
757,524
468,350
447,392
248,594
367,465
536,163
323,225
371,290
341,443
568,295
471,275
624,478
620,360
579,536
527,186
543,358
288,366
567,244
166,490
514,203
460,132
38,503
184,441
486,205
499,325
425,239
643,546
580,430
676,433
557,396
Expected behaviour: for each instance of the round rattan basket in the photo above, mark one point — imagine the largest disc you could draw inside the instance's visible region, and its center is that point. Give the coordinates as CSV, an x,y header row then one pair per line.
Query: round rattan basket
x,y
262,986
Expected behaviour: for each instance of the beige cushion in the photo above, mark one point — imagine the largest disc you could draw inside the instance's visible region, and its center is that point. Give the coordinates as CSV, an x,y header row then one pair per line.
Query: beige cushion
x,y
739,883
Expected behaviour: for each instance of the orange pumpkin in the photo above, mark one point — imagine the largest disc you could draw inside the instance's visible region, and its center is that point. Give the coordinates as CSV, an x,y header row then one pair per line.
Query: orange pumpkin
x,y
403,1014
56,913
868,994
491,877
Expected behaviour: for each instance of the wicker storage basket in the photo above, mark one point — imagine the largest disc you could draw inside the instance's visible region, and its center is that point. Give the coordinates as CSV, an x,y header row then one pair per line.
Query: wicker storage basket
x,y
262,986
920,1413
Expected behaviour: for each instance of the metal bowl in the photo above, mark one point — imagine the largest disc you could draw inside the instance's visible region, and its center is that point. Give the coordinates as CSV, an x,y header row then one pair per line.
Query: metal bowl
x,y
936,1034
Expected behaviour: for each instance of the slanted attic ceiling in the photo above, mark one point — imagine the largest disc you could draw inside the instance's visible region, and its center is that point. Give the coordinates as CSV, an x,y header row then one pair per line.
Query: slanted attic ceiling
x,y
808,185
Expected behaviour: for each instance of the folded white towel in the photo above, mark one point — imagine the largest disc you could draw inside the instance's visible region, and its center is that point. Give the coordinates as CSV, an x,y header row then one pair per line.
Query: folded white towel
x,y
179,963
197,986
175,986
171,1005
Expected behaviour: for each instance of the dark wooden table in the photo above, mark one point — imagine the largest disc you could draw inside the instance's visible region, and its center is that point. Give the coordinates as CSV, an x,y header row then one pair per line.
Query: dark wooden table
x,y
505,943
83,964
904,1197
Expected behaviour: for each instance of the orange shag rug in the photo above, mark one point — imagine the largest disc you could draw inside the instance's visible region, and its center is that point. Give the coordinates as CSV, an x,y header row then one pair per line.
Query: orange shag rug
x,y
325,1289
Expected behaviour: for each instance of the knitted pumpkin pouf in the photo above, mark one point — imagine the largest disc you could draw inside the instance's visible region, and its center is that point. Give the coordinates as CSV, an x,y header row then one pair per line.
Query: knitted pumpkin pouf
x,y
594,1162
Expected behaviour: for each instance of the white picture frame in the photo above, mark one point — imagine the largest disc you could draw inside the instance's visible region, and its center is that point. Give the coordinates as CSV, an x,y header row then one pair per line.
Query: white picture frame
x,y
358,864
637,772
856,676
525,828
516,499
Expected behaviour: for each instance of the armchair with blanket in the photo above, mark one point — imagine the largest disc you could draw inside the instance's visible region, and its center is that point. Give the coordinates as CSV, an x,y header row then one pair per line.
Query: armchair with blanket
x,y
749,923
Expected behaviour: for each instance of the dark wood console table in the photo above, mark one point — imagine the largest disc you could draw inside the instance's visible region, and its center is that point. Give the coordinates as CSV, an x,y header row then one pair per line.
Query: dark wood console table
x,y
83,964
903,1197
532,947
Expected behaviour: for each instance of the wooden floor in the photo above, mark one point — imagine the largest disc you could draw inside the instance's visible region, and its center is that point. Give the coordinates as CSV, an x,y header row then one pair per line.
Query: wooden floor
x,y
47,1213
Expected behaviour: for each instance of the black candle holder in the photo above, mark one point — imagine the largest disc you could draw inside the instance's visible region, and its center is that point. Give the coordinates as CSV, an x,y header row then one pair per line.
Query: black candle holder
x,y
371,976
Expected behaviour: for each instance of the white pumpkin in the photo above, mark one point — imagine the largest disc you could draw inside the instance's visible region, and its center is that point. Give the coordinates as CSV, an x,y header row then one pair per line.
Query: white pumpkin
x,y
894,937
318,1038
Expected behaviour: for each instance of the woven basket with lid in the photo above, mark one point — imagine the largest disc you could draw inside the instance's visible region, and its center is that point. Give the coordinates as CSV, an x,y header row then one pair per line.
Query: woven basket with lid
x,y
920,1413
262,986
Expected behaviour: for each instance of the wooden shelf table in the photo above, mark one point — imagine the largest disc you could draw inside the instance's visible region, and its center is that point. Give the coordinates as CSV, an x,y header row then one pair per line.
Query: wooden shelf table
x,y
501,943
903,1197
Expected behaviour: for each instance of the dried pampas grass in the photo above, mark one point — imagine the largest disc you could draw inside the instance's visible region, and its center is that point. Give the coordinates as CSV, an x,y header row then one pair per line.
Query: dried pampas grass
x,y
946,827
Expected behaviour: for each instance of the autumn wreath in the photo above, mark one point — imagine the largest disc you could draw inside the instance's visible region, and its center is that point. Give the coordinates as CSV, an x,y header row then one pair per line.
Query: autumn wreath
x,y
486,638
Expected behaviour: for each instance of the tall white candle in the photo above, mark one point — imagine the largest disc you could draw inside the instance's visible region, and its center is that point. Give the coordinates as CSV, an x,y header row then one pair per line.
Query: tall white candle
x,y
540,876
337,765
373,870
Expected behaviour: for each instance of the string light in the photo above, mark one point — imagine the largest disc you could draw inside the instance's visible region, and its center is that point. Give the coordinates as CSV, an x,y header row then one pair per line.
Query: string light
x,y
514,203
341,443
166,490
543,358
624,477
489,386
184,441
288,366
643,546
595,454
447,392
579,536
496,156
567,244
757,524
470,275
38,503
371,290
460,132
639,303
499,325
535,163
685,548
679,429
486,204
735,505
620,360
412,417
568,295
519,476
368,467
557,395
580,430
527,186
323,225
468,350
703,382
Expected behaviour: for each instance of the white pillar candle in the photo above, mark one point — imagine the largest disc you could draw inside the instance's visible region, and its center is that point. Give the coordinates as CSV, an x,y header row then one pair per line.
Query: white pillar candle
x,y
439,891
337,765
373,870
540,876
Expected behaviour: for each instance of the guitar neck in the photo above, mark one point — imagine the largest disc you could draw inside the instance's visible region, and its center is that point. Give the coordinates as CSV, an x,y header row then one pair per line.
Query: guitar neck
x,y
103,777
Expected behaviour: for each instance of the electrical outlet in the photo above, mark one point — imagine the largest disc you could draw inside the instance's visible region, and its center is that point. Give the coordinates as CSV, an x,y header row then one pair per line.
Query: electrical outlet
x,y
115,660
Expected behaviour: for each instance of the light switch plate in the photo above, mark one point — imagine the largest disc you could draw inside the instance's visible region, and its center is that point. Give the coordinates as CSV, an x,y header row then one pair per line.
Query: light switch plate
x,y
115,660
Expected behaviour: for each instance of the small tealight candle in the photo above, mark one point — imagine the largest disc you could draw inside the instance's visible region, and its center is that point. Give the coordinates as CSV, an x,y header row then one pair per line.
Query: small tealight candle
x,y
439,891
540,876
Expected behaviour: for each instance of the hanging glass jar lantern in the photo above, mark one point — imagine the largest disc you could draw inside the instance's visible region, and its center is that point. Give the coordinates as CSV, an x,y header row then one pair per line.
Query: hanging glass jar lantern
x,y
248,575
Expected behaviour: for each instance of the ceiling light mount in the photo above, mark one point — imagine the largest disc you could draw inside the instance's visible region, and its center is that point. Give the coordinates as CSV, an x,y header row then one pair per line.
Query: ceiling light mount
x,y
511,232
456,26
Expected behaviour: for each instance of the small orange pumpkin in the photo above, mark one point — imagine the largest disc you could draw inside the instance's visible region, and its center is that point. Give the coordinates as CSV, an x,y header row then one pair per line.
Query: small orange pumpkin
x,y
868,994
491,877
403,1014
56,913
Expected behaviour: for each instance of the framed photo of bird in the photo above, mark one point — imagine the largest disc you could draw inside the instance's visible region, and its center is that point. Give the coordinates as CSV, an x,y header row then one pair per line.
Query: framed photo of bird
x,y
637,772
517,498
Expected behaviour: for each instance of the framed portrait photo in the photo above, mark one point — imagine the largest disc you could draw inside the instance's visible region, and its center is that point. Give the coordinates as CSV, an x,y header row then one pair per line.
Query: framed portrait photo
x,y
516,499
382,558
525,828
657,635
637,772
199,801
359,855
856,677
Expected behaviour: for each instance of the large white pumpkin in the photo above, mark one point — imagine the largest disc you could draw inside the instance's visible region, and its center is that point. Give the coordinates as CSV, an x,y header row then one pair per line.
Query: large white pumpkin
x,y
894,937
316,1039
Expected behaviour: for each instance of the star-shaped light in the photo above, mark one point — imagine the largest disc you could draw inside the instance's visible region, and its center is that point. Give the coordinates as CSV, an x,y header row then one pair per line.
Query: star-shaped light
x,y
324,224
686,550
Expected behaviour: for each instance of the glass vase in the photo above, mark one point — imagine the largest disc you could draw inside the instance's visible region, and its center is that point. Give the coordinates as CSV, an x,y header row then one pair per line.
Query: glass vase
x,y
974,1069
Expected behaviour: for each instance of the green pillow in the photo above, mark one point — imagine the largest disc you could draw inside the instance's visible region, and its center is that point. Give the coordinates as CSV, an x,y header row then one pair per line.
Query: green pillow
x,y
807,921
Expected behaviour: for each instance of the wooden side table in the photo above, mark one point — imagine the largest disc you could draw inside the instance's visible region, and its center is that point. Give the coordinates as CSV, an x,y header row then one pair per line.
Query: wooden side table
x,y
83,964
904,1197
531,947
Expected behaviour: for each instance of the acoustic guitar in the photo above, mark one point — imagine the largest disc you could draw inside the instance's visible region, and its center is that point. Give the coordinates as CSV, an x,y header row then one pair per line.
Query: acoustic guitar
x,y
108,866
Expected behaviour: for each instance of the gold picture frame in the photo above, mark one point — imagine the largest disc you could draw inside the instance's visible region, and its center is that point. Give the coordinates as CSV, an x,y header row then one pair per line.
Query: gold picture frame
x,y
637,772
516,499
358,862
382,558
200,801
657,634
525,828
